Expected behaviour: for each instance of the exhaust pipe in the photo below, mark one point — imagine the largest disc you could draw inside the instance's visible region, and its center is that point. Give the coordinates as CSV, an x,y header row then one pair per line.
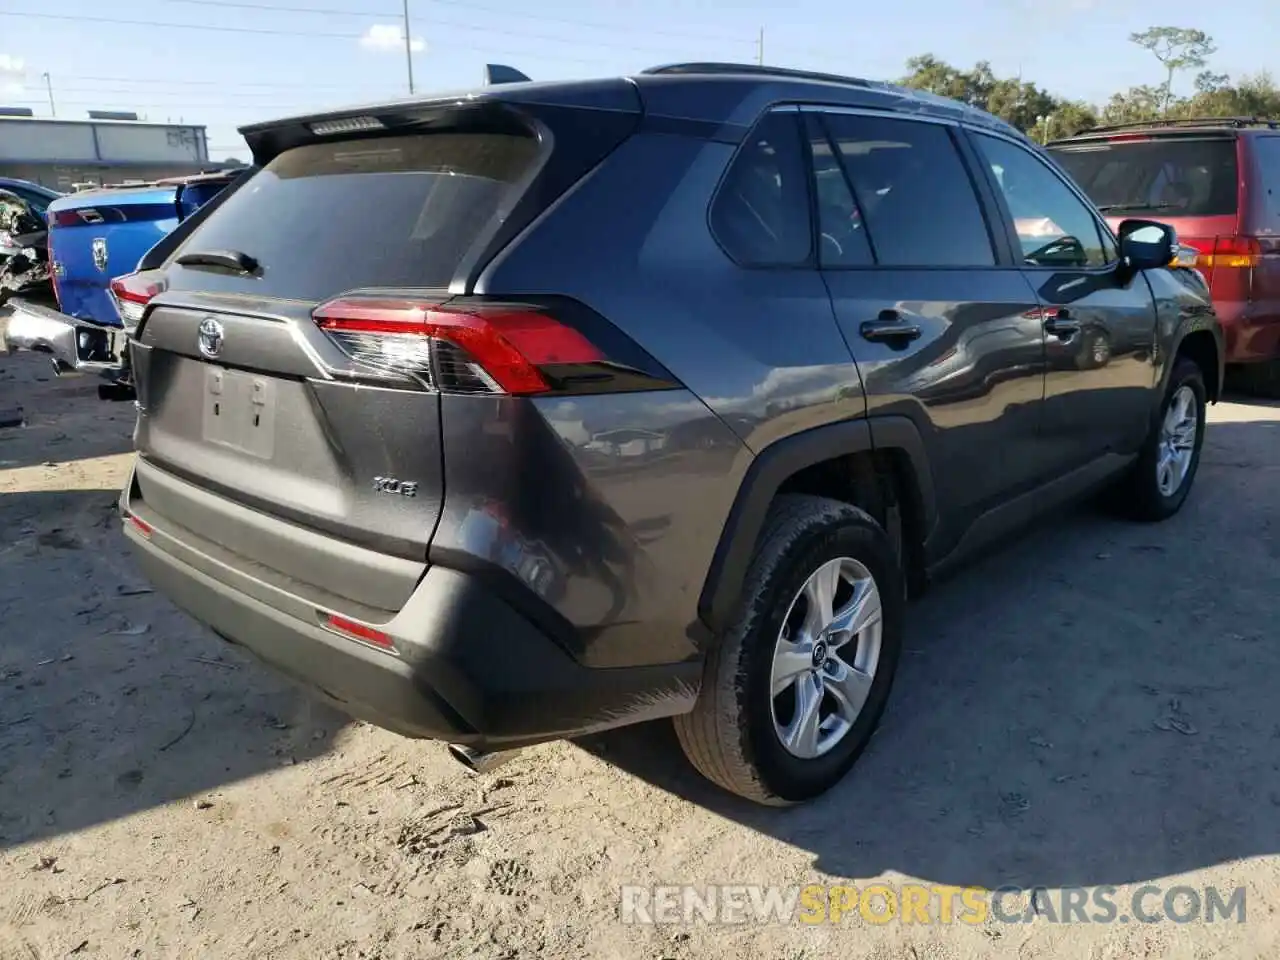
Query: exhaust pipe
x,y
480,761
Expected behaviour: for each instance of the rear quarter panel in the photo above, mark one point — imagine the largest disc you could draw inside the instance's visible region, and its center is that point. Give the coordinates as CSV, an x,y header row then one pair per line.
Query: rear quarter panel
x,y
1260,201
758,350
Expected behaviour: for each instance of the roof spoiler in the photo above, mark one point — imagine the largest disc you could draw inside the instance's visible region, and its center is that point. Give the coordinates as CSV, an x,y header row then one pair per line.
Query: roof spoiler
x,y
495,73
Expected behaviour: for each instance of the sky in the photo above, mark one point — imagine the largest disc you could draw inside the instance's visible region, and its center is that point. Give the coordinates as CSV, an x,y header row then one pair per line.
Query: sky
x,y
225,64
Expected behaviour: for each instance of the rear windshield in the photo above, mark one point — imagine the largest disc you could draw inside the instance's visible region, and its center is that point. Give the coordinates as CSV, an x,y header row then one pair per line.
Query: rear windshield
x,y
326,218
1167,177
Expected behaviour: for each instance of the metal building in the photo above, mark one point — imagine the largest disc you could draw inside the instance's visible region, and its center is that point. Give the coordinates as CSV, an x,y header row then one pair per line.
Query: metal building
x,y
104,149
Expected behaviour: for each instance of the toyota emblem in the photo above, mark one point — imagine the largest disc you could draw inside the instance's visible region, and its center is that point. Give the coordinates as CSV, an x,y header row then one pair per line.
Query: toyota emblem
x,y
100,253
211,336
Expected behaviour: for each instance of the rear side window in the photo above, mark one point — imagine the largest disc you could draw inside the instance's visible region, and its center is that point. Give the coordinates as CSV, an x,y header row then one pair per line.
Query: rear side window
x,y
913,191
1267,161
842,234
1165,176
329,217
760,214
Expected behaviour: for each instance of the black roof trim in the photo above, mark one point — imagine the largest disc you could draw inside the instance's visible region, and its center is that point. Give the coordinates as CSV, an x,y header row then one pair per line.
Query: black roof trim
x,y
1191,123
759,70
907,99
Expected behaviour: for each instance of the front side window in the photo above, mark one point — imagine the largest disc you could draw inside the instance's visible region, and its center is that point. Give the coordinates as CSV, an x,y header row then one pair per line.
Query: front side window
x,y
914,194
760,214
1055,229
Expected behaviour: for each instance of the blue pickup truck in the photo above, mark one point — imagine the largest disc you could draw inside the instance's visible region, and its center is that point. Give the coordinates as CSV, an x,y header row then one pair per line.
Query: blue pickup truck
x,y
96,237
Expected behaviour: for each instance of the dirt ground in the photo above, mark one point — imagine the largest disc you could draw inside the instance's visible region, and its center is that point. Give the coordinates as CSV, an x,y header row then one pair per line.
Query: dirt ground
x,y
1096,705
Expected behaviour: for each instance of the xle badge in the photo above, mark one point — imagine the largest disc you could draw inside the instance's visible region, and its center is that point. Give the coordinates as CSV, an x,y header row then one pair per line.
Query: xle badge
x,y
406,488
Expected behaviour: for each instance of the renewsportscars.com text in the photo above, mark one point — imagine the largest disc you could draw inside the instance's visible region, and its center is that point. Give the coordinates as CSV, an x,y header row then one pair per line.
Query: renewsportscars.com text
x,y
911,903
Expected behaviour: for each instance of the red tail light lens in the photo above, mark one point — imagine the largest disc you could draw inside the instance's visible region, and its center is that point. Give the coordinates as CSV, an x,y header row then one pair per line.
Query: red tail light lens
x,y
140,525
1226,263
132,293
1236,253
1240,253
54,267
476,348
360,631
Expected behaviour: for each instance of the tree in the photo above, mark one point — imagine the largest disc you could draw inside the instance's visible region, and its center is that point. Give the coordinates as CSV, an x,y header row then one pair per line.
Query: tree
x,y
929,73
1071,117
1253,96
1134,105
1177,48
1013,100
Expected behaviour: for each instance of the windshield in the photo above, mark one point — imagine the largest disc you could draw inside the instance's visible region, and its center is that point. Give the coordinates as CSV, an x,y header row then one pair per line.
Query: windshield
x,y
1166,177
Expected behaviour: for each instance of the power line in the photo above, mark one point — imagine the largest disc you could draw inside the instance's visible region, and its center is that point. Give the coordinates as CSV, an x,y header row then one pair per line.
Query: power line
x,y
181,26
382,89
265,31
366,14
270,31
206,83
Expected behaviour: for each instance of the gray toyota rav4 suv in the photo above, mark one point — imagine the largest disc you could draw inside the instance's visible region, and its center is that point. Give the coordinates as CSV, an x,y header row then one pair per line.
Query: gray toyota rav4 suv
x,y
552,407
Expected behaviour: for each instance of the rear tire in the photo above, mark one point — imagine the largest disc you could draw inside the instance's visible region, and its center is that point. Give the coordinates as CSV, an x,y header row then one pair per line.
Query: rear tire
x,y
741,734
1149,492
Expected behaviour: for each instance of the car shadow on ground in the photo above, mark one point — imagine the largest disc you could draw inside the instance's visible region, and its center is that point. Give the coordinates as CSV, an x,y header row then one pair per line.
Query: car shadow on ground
x,y
1094,704
111,701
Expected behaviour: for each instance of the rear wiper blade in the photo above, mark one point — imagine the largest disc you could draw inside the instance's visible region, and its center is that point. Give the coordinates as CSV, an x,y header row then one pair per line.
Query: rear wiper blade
x,y
231,259
1111,207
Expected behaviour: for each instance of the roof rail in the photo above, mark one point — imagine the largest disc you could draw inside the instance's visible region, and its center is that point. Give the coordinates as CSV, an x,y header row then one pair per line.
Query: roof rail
x,y
758,70
1233,122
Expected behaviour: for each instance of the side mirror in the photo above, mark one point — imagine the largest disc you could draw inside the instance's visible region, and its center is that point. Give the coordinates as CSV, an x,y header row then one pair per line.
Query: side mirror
x,y
1146,244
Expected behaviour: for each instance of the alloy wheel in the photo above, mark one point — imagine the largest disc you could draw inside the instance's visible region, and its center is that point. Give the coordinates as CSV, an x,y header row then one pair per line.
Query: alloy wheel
x,y
1177,441
825,658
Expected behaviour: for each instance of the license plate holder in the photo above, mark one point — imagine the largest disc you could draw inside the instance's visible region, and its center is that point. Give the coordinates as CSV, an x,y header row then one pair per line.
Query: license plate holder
x,y
240,411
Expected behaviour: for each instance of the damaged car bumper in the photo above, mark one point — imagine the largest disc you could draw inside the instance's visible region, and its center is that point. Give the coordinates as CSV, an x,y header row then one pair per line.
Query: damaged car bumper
x,y
76,346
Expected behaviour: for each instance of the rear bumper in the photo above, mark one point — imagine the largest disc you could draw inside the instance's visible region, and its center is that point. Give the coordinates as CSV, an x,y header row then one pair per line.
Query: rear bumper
x,y
1251,330
466,668
77,346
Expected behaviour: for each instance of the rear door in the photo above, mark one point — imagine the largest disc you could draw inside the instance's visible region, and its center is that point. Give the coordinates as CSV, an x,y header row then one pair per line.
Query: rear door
x,y
1101,332
943,331
244,396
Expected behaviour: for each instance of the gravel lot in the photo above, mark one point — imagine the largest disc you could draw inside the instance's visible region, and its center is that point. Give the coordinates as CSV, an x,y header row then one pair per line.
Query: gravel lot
x,y
1094,705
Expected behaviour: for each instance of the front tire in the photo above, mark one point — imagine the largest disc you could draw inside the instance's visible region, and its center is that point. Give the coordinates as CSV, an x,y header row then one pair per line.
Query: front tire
x,y
795,688
1158,484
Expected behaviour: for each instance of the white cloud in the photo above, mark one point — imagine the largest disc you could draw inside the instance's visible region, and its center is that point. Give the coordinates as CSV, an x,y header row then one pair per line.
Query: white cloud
x,y
13,73
385,36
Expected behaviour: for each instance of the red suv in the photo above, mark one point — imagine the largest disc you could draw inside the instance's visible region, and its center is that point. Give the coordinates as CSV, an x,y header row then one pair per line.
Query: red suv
x,y
1217,183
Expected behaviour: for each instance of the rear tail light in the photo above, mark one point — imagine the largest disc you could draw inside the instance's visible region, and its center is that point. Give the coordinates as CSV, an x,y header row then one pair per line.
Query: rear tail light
x,y
472,348
1237,253
132,293
1233,253
1226,263
54,269
360,631
140,525
75,218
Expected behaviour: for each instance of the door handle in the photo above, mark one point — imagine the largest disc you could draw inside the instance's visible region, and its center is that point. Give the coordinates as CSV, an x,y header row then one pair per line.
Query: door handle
x,y
1060,324
889,328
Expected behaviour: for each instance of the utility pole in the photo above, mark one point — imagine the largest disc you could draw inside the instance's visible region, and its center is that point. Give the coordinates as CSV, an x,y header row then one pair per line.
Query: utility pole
x,y
48,85
408,45
760,48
